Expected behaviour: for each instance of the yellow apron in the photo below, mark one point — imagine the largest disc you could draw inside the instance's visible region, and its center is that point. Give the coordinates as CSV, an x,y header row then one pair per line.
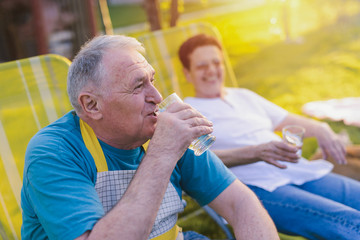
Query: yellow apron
x,y
111,185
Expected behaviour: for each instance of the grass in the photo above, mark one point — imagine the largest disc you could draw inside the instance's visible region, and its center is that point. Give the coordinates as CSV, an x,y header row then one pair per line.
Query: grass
x,y
320,60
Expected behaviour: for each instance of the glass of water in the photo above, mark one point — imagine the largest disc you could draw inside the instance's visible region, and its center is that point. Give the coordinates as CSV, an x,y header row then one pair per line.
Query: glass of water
x,y
294,135
200,144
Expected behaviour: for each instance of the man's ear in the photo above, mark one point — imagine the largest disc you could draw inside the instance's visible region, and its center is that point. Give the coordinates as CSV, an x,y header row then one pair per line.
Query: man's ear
x,y
90,105
187,75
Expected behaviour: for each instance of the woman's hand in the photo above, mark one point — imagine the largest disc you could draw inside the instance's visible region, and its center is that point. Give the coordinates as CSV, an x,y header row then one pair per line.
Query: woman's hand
x,y
330,144
275,151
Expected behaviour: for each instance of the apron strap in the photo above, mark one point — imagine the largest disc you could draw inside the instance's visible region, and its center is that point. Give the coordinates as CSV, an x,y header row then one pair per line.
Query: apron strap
x,y
93,145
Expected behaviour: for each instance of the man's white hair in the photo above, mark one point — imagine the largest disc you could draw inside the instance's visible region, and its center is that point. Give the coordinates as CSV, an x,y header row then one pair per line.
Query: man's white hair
x,y
87,67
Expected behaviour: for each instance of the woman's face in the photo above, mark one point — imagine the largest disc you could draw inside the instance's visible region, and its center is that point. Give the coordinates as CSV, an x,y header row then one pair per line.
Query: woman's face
x,y
206,71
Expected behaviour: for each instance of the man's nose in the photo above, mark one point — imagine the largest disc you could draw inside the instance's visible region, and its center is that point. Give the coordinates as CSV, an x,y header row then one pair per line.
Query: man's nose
x,y
153,95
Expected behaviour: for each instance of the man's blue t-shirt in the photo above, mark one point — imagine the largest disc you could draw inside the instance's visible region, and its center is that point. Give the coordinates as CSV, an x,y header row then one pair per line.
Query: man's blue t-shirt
x,y
58,197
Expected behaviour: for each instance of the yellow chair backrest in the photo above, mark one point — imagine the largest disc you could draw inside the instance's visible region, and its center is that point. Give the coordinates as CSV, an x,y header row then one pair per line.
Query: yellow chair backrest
x,y
32,95
162,53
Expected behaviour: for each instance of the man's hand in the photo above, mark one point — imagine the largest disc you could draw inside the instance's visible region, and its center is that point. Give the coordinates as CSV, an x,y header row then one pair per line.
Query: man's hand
x,y
275,151
176,128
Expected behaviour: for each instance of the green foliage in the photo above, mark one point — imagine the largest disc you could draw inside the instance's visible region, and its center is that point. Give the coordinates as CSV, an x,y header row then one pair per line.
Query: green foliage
x,y
125,15
128,14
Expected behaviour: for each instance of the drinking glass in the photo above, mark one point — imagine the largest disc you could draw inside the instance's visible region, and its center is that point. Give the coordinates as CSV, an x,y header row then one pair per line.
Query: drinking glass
x,y
199,145
294,135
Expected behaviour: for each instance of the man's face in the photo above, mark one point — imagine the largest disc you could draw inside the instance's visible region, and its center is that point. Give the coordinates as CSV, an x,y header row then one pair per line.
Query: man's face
x,y
129,99
206,71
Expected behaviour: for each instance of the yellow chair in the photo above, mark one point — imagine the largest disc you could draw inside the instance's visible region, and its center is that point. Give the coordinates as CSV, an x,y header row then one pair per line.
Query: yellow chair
x,y
162,53
32,95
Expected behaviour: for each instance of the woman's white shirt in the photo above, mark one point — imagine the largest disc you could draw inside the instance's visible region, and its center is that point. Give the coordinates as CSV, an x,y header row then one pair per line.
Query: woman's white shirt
x,y
243,118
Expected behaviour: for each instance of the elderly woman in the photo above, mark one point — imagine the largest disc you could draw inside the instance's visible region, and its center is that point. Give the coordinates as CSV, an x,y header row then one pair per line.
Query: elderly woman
x,y
303,197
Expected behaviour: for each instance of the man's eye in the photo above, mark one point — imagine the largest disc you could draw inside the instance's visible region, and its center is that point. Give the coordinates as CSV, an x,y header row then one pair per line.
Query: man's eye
x,y
138,86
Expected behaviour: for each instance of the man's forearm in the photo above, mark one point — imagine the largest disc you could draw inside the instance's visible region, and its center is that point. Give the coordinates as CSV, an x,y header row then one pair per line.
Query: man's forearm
x,y
243,210
253,222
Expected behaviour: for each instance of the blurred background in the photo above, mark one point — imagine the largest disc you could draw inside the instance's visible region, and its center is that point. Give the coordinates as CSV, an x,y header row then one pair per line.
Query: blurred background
x,y
289,51
311,44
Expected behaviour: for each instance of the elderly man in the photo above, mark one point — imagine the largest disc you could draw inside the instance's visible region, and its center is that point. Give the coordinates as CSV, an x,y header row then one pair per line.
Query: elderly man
x,y
87,176
301,196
